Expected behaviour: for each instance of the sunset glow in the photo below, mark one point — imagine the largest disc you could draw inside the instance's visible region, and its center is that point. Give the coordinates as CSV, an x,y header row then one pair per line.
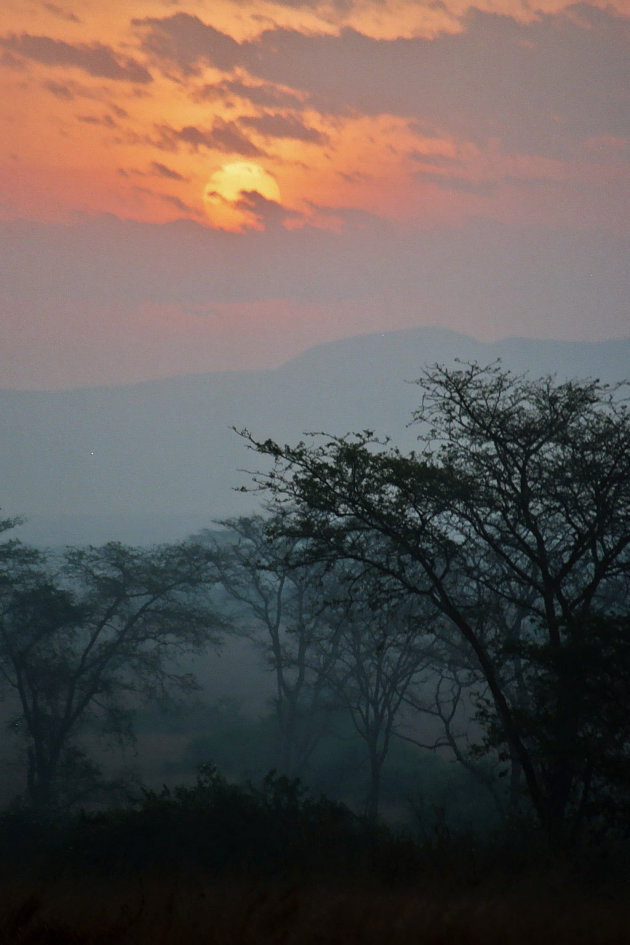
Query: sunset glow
x,y
127,110
227,192
262,119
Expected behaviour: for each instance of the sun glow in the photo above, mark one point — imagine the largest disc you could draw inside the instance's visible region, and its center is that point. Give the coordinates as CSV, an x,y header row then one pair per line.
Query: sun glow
x,y
225,194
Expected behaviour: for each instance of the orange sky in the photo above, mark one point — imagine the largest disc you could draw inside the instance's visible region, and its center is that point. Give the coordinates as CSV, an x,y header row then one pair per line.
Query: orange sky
x,y
130,107
330,168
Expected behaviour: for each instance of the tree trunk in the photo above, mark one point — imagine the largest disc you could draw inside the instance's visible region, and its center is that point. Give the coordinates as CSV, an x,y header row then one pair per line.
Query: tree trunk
x,y
40,780
374,794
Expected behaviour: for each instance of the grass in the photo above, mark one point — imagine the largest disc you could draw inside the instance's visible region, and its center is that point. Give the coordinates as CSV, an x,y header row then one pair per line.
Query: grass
x,y
219,864
170,911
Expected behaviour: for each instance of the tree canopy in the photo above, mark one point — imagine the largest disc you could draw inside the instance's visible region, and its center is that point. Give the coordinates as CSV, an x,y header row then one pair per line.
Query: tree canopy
x,y
513,519
83,636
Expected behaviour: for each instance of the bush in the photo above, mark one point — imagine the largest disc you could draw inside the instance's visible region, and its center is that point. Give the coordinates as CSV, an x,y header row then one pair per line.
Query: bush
x,y
213,826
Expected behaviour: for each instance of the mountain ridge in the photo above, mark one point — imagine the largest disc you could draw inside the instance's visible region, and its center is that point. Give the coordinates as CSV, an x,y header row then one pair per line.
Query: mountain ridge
x,y
158,459
339,343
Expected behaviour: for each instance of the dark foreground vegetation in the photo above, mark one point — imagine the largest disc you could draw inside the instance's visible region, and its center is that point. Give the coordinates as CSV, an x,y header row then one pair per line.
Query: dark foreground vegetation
x,y
471,597
222,863
250,912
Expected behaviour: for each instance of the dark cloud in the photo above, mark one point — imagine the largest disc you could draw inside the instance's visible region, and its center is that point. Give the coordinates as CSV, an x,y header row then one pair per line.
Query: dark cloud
x,y
264,95
72,90
94,58
60,90
9,61
170,138
355,177
228,137
176,202
61,13
538,87
105,120
283,126
183,40
163,171
167,198
223,136
268,213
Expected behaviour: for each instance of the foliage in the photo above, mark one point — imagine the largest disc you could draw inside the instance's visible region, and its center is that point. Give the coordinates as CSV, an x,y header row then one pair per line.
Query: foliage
x,y
85,635
380,655
513,520
331,639
212,826
284,610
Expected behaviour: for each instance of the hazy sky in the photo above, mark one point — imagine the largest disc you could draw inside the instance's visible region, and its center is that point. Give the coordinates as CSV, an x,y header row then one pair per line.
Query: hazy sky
x,y
191,186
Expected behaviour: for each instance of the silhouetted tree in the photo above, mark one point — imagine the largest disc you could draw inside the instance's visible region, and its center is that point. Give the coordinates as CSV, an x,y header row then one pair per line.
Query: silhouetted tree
x,y
518,501
383,645
86,634
288,618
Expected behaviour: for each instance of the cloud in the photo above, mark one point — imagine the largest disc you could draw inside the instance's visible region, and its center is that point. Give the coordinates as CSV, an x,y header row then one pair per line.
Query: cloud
x,y
284,126
9,61
106,120
94,58
227,137
537,87
69,91
542,86
223,136
168,198
188,43
61,13
163,171
177,202
268,214
59,90
264,95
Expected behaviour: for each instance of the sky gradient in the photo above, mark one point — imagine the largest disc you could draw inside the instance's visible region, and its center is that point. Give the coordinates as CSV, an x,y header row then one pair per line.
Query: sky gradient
x,y
191,186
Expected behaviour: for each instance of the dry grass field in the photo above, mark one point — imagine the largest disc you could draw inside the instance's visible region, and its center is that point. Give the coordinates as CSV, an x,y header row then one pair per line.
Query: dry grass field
x,y
247,912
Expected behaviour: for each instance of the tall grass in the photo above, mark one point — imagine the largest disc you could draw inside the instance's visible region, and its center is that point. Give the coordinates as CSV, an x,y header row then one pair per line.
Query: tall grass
x,y
171,912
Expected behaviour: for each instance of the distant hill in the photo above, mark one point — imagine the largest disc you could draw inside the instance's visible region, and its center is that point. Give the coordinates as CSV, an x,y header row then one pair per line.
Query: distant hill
x,y
158,460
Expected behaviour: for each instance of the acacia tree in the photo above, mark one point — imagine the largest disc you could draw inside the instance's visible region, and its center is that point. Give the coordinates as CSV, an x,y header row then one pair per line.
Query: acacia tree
x,y
383,646
287,617
84,636
516,502
458,686
449,688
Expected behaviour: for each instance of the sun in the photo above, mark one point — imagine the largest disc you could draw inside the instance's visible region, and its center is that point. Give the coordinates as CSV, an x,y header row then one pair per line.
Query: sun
x,y
223,193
